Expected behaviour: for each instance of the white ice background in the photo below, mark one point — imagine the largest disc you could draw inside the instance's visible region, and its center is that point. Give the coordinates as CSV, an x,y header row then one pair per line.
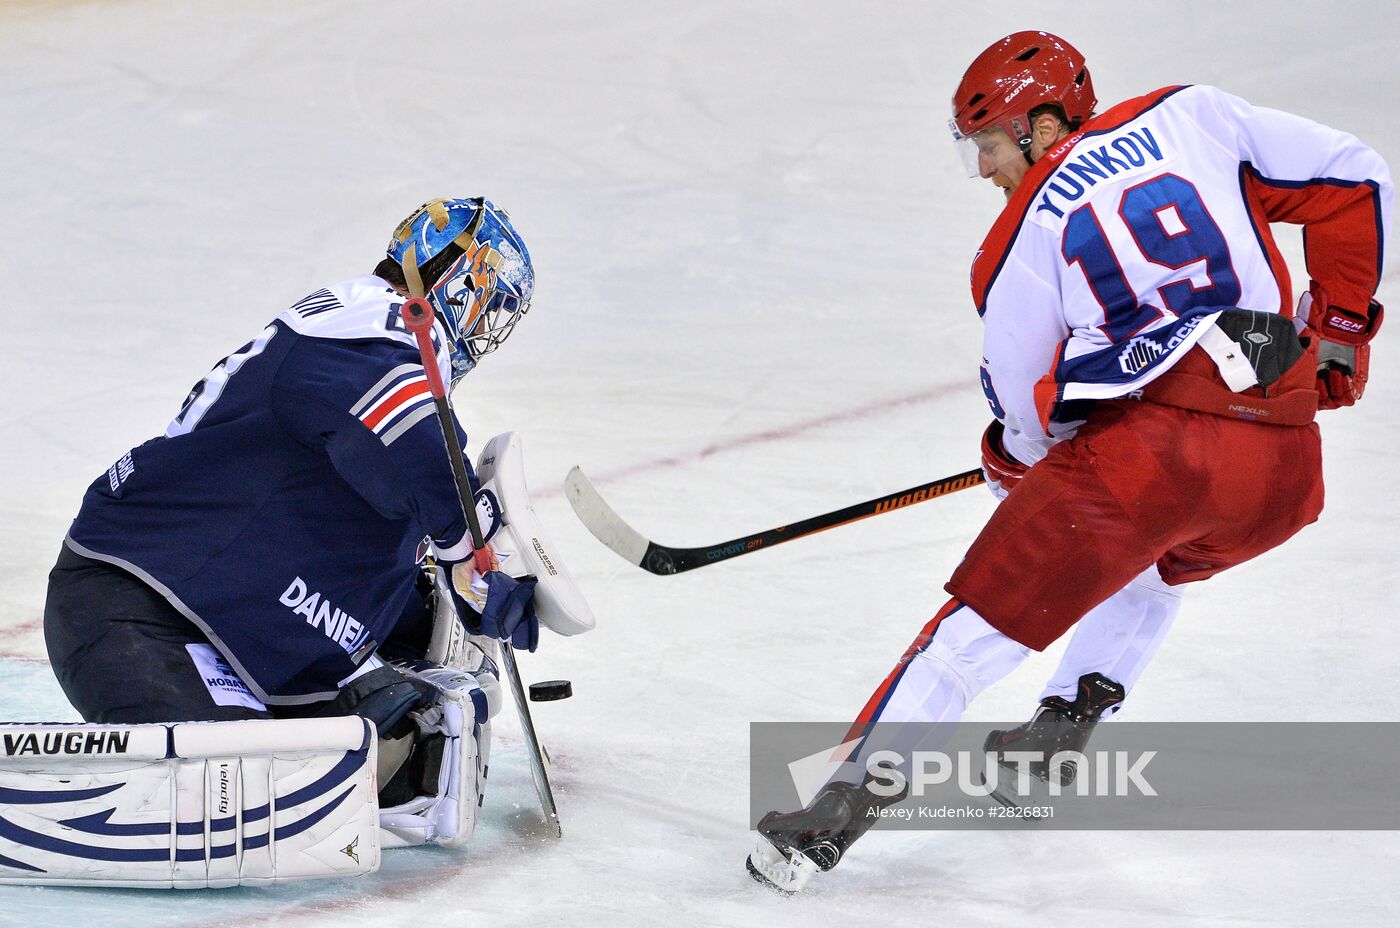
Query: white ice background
x,y
752,238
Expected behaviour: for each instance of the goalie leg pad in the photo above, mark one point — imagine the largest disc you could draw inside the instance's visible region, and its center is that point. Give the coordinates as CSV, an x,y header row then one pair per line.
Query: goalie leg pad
x,y
189,805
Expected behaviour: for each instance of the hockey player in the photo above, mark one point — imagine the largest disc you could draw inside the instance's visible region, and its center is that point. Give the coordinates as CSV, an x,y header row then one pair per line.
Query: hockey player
x,y
250,562
1152,386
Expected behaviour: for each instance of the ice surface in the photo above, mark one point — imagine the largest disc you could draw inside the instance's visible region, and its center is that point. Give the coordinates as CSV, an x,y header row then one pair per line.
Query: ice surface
x,y
752,238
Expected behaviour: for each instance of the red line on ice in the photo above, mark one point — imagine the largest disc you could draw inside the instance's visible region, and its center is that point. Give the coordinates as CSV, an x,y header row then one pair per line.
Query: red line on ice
x,y
768,435
731,444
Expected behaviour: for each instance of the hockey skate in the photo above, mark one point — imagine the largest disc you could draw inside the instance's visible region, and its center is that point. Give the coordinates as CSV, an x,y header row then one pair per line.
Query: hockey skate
x,y
792,846
1058,725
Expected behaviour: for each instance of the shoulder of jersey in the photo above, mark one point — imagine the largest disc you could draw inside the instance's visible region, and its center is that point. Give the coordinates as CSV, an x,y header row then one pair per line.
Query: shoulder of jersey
x,y
365,310
1002,236
379,379
361,308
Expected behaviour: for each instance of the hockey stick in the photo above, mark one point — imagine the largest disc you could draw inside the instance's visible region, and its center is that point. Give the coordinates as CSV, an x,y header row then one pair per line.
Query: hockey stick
x,y
418,317
609,528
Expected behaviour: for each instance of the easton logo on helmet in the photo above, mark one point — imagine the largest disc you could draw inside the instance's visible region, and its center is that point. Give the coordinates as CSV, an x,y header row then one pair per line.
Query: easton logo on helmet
x,y
1017,74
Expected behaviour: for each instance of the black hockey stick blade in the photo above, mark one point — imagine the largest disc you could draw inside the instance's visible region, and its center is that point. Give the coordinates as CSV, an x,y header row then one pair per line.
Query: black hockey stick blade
x,y
609,528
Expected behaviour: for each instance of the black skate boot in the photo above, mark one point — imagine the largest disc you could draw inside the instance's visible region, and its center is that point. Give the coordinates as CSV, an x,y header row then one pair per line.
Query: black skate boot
x,y
1058,725
794,845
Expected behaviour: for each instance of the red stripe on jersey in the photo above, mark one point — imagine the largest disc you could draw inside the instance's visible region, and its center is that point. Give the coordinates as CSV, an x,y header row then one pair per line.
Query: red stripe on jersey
x,y
1342,234
1045,394
877,700
1259,215
377,413
1002,236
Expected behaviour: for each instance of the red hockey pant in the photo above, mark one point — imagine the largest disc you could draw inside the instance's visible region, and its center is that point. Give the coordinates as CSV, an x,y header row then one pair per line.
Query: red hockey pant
x,y
1140,483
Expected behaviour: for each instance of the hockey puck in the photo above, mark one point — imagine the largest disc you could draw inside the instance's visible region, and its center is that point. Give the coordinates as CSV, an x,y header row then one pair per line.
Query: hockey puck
x,y
550,690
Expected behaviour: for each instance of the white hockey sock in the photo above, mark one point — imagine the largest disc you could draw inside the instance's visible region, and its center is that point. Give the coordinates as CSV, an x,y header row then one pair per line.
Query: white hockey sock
x,y
933,682
1119,637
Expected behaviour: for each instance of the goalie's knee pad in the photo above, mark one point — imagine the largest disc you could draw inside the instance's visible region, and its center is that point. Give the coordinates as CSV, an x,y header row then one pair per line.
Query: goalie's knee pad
x,y
194,804
435,794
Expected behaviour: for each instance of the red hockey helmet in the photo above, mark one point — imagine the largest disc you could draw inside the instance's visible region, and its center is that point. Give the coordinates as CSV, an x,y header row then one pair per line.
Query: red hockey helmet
x,y
1013,77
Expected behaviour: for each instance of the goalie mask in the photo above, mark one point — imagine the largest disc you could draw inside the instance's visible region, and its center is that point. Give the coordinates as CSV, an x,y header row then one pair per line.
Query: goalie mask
x,y
467,260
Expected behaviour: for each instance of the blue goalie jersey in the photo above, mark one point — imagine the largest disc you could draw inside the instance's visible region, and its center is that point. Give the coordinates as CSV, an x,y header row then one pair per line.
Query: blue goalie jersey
x,y
283,510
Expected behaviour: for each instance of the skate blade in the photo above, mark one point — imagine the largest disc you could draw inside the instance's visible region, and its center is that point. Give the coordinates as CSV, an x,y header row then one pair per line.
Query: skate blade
x,y
1011,799
786,873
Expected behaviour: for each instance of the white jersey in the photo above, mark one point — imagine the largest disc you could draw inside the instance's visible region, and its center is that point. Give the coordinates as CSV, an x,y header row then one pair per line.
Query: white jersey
x,y
1122,243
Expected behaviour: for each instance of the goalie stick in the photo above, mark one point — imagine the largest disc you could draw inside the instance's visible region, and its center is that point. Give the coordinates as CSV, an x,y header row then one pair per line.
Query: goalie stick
x,y
609,528
418,317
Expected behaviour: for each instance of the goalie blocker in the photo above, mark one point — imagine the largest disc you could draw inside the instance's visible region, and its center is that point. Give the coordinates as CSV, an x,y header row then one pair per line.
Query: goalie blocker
x,y
509,525
515,533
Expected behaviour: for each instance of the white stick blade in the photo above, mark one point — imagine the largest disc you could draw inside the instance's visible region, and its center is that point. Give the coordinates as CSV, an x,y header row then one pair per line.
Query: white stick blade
x,y
598,517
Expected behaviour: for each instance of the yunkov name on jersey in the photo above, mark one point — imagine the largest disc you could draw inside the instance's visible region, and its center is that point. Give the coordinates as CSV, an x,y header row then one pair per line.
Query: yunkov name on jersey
x,y
283,509
1122,243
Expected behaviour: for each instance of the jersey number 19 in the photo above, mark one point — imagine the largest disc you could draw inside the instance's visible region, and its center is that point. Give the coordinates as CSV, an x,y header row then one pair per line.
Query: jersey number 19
x,y
1173,229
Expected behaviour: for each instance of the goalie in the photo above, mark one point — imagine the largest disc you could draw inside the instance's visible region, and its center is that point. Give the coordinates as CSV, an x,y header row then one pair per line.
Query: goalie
x,y
262,563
